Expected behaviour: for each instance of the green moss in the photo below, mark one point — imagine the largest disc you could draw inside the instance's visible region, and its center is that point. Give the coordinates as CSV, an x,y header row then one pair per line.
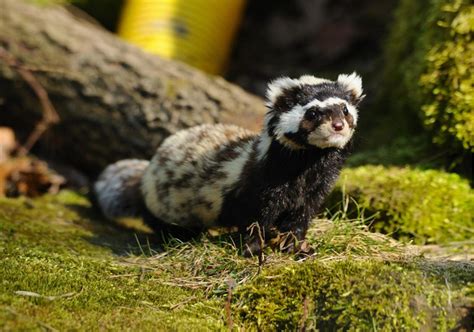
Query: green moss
x,y
63,268
428,69
425,206
51,248
448,82
344,295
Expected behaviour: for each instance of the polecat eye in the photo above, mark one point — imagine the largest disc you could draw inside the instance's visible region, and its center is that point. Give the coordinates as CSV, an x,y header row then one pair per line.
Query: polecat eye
x,y
311,114
346,111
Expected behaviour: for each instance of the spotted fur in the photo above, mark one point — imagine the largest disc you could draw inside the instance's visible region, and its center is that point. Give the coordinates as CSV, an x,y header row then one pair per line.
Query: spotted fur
x,y
223,175
193,170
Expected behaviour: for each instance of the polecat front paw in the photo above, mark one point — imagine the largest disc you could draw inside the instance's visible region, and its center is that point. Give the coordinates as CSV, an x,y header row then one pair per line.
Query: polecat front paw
x,y
289,243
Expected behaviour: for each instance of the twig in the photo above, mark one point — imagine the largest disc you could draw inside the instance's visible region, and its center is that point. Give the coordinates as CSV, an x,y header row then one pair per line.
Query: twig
x,y
180,304
49,298
228,304
261,241
305,315
49,114
47,327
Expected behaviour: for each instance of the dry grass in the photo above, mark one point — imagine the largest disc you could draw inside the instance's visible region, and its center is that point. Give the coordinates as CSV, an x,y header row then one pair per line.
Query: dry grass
x,y
210,263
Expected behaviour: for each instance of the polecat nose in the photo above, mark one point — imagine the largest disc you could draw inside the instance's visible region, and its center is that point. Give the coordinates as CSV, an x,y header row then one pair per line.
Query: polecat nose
x,y
338,125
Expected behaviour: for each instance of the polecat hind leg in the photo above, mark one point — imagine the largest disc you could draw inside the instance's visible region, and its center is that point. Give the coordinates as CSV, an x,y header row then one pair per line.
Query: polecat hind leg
x,y
166,231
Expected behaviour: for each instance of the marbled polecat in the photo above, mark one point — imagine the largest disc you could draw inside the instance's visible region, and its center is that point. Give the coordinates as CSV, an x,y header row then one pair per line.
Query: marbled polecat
x,y
223,175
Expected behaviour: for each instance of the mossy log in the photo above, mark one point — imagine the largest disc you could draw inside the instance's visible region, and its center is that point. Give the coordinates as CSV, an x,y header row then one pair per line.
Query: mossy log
x,y
423,206
113,100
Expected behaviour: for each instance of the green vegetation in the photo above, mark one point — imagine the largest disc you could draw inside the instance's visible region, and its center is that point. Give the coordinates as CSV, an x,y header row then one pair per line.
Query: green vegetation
x,y
63,269
369,295
448,81
50,250
428,70
401,151
424,206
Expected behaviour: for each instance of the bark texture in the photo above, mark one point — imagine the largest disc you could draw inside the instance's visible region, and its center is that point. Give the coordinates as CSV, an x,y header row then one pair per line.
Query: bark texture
x,y
114,100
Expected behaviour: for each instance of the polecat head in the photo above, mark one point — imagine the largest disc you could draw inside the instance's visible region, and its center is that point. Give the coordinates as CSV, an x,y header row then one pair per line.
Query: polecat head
x,y
311,111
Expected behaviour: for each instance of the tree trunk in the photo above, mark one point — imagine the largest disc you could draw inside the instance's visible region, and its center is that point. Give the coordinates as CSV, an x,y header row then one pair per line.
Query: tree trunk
x,y
114,101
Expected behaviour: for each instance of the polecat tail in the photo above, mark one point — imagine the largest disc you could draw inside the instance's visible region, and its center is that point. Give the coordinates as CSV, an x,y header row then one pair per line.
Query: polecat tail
x,y
117,190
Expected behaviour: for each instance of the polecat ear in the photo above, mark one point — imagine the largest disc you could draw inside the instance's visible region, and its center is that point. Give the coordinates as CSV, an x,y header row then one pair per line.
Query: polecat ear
x,y
353,84
277,87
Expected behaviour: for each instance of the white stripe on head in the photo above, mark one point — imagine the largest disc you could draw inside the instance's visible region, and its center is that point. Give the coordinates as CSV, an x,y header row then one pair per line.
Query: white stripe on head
x,y
325,103
289,122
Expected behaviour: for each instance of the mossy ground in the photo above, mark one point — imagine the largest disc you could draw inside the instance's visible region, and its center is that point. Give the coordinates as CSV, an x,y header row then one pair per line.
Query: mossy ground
x,y
424,206
62,268
49,248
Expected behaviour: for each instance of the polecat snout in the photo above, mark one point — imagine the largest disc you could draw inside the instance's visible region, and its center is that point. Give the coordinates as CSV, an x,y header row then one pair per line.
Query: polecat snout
x,y
223,175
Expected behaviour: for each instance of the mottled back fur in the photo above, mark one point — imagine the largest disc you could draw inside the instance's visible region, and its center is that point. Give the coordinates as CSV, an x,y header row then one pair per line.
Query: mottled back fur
x,y
192,171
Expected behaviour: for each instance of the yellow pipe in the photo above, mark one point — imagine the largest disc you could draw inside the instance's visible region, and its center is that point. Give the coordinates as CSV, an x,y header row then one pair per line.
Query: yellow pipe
x,y
199,32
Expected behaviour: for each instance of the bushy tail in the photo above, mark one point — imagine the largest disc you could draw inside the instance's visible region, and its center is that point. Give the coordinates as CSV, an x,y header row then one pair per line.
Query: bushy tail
x,y
117,190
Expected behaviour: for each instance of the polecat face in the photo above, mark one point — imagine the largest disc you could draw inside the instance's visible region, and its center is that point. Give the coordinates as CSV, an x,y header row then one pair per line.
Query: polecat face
x,y
310,111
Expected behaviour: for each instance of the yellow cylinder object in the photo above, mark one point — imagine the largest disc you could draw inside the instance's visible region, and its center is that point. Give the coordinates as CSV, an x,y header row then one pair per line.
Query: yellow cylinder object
x,y
197,32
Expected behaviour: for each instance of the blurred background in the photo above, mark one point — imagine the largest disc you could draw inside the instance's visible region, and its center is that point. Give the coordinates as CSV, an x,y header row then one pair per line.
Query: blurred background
x,y
416,59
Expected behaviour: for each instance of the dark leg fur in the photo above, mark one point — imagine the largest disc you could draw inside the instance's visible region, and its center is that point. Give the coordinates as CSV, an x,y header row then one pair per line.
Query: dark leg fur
x,y
293,229
296,222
